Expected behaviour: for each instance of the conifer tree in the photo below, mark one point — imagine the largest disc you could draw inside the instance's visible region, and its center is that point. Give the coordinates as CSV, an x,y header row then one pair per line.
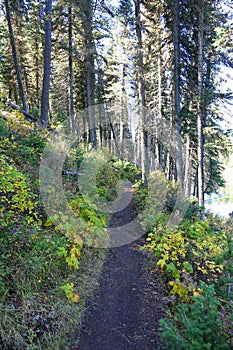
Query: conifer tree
x,y
15,56
44,114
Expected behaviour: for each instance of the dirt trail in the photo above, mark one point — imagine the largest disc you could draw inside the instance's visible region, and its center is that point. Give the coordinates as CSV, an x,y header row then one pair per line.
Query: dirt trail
x,y
125,312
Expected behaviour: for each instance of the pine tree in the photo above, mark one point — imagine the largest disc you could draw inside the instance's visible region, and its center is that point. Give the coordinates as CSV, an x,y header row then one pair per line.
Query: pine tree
x,y
200,148
86,8
71,94
141,92
15,57
44,114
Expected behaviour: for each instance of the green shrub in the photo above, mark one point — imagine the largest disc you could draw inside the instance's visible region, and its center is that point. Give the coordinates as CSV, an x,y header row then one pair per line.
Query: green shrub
x,y
128,170
90,225
40,278
111,173
155,196
187,254
16,197
107,179
196,326
159,196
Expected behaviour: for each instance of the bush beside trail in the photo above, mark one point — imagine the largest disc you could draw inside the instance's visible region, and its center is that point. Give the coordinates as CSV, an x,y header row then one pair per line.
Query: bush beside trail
x,y
194,260
45,274
46,271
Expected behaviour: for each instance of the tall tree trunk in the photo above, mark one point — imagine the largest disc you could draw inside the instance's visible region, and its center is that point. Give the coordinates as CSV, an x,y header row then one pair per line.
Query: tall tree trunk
x,y
176,44
37,53
160,115
21,58
141,92
152,150
200,106
37,74
44,114
124,112
71,94
15,58
90,75
101,106
187,170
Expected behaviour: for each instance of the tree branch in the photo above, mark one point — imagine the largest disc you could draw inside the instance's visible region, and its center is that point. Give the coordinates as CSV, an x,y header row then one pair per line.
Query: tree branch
x,y
12,105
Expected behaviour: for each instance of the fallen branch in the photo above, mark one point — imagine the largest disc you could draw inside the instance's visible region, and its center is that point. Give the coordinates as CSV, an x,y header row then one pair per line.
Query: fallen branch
x,y
12,105
71,173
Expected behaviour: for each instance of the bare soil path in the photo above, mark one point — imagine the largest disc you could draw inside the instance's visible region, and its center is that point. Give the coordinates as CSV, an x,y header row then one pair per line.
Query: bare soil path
x,y
125,312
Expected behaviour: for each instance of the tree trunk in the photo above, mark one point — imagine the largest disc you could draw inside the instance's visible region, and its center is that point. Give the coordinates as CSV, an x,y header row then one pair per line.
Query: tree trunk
x,y
176,44
44,114
37,55
153,151
199,107
160,115
71,94
21,58
124,112
101,106
37,75
90,75
141,93
15,58
187,180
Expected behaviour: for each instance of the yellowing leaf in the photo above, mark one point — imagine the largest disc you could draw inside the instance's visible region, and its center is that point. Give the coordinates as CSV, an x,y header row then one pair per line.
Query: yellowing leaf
x,y
161,263
196,293
73,297
48,223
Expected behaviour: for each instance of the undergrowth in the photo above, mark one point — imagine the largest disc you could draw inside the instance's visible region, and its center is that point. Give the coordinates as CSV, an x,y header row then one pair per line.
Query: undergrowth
x,y
45,273
194,259
48,271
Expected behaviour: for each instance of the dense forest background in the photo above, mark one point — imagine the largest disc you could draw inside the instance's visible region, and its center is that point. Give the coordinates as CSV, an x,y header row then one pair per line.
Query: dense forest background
x,y
151,67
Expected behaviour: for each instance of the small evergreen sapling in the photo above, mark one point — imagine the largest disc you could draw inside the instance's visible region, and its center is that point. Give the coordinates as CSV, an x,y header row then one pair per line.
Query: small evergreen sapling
x,y
196,326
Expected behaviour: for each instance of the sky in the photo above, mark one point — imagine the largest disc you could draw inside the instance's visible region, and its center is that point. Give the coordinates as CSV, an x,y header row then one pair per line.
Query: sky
x,y
114,2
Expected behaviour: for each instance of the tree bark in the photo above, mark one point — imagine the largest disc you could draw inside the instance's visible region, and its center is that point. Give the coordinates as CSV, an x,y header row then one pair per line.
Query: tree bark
x,y
37,75
160,115
101,106
199,107
15,58
44,114
90,75
176,44
141,92
71,94
187,170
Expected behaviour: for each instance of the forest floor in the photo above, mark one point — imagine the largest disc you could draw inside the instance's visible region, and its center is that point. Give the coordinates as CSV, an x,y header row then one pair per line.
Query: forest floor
x,y
125,311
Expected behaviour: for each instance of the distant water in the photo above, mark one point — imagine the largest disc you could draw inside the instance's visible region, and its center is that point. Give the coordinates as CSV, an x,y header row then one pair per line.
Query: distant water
x,y
216,205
